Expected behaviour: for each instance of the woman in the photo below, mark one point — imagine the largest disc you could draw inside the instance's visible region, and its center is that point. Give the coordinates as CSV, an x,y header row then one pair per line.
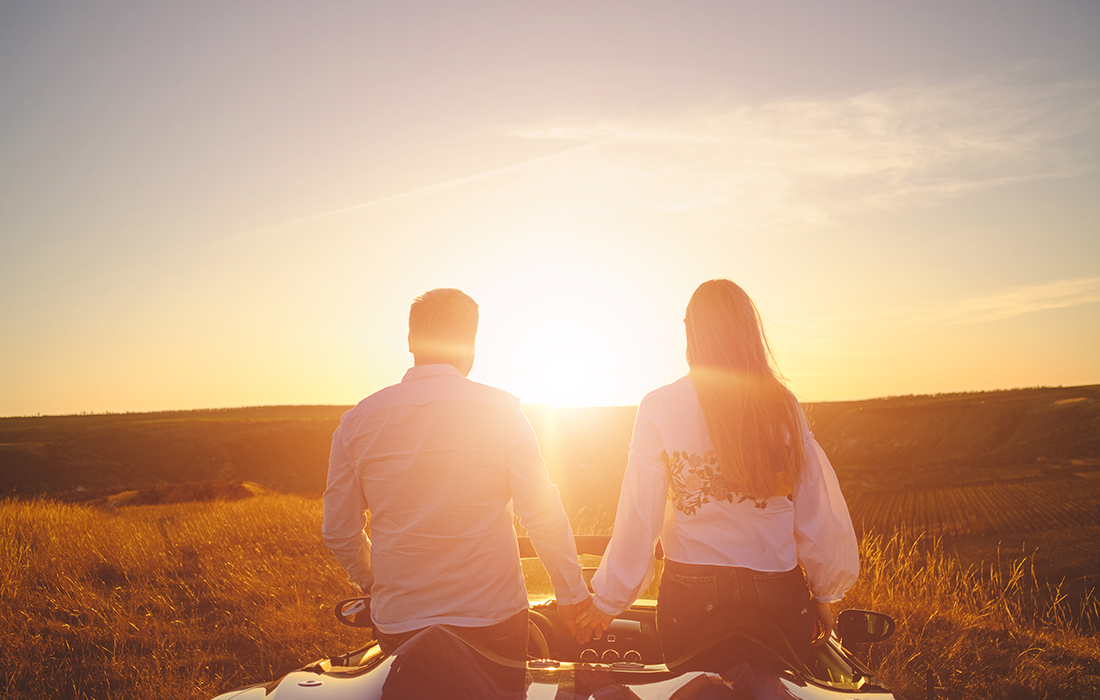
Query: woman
x,y
723,469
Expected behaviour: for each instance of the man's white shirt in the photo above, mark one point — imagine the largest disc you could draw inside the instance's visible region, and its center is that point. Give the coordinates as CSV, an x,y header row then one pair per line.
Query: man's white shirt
x,y
440,462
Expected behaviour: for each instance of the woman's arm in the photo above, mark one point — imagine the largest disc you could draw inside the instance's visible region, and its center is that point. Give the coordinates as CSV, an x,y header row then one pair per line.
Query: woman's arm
x,y
824,536
628,561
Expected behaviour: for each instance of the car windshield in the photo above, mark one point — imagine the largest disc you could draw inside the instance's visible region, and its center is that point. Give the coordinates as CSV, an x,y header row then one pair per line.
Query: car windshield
x,y
540,588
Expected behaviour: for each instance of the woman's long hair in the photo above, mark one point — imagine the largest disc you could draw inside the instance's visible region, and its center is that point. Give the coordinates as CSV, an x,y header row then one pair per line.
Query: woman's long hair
x,y
753,420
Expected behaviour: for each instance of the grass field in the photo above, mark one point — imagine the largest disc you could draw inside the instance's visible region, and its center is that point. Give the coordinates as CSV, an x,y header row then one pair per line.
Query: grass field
x,y
167,601
189,600
982,509
1055,522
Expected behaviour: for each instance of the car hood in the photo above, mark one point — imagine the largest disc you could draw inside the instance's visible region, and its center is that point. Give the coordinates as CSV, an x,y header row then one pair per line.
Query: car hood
x,y
437,664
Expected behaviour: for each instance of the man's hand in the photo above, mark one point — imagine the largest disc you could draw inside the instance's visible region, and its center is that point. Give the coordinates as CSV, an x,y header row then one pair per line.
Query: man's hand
x,y
591,622
569,613
824,622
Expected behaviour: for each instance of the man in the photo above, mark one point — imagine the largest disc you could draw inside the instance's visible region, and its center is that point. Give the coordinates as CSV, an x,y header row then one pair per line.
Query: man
x,y
440,461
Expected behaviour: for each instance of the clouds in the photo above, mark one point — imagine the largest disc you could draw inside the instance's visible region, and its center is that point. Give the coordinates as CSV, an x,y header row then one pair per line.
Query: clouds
x,y
793,165
1059,294
808,161
983,308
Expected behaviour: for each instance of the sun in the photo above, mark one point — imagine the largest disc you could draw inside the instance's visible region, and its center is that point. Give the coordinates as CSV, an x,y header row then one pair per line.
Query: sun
x,y
567,344
565,365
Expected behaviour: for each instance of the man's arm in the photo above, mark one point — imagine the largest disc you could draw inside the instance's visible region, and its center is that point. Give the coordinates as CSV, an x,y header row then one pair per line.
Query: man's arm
x,y
538,504
346,518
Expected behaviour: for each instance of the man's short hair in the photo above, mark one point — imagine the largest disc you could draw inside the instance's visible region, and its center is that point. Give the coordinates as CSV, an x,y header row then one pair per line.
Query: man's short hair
x,y
442,323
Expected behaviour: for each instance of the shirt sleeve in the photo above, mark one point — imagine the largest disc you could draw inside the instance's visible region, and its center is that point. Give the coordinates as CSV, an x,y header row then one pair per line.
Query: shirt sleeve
x,y
345,518
537,502
824,536
627,565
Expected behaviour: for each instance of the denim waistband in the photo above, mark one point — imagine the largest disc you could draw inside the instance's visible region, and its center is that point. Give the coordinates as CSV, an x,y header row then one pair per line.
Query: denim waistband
x,y
747,580
714,569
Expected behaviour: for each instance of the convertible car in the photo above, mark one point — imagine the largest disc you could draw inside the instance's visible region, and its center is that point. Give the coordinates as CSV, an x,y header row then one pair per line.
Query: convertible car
x,y
743,656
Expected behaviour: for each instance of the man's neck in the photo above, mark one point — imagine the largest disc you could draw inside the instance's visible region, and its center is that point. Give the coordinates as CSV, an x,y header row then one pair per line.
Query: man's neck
x,y
462,364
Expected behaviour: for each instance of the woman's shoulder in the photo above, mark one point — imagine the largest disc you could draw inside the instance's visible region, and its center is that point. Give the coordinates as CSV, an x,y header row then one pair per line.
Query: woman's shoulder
x,y
678,391
800,412
677,399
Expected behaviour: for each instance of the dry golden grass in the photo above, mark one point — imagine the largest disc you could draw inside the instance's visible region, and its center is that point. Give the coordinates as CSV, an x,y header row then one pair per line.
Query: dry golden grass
x,y
992,633
189,600
170,601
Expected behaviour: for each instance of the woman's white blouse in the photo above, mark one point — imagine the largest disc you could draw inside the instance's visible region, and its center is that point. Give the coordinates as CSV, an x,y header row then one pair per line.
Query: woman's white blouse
x,y
673,490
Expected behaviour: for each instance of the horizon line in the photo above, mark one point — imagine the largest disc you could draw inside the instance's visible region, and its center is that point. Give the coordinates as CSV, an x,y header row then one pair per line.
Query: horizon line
x,y
940,394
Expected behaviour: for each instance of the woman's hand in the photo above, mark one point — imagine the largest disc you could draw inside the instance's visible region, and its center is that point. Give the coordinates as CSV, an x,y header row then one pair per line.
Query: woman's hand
x,y
824,622
591,622
568,614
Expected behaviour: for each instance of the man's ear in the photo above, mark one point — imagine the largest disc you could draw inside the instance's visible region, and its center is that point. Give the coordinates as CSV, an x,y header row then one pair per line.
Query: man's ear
x,y
410,342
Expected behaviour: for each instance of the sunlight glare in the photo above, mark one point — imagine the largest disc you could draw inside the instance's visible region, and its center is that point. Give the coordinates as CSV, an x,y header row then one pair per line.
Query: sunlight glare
x,y
566,336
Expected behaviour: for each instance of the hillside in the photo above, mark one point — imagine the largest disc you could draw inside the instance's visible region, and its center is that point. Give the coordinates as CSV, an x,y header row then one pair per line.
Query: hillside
x,y
281,447
875,445
955,439
284,448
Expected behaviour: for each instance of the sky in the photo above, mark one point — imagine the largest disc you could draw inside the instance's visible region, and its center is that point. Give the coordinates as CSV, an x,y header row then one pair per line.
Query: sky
x,y
233,204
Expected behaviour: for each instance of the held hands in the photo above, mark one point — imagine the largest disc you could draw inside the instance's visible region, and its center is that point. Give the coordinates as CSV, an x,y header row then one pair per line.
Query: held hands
x,y
824,622
591,622
569,614
584,618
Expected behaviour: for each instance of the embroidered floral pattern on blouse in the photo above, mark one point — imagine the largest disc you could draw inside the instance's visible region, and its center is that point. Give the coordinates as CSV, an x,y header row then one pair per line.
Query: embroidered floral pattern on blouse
x,y
697,479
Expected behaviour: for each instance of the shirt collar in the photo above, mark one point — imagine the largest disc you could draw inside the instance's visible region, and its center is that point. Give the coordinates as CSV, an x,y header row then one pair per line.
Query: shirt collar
x,y
425,371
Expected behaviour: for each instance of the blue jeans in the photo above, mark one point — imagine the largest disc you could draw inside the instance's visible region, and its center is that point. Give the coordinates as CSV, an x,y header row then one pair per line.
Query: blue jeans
x,y
690,592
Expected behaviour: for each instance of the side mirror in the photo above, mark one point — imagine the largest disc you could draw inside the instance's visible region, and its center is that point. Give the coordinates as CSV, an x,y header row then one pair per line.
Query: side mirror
x,y
864,626
354,612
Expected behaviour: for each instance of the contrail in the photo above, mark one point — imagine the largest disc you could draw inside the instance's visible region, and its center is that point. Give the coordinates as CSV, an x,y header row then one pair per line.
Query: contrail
x,y
413,194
